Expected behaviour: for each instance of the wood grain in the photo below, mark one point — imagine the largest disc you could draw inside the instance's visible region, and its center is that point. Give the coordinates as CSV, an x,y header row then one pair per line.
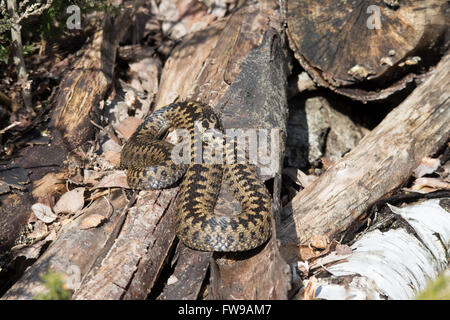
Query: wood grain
x,y
381,162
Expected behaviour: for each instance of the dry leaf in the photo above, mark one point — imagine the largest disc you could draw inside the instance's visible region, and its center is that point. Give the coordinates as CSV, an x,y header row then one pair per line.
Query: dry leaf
x,y
92,176
91,221
43,212
49,184
111,145
128,126
116,179
71,201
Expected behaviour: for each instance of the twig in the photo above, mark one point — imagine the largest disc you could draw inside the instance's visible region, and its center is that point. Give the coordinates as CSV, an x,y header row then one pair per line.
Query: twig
x,y
12,125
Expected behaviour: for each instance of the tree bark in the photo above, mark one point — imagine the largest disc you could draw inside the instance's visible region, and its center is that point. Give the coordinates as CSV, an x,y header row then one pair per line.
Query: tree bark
x,y
393,264
145,239
381,162
74,103
16,39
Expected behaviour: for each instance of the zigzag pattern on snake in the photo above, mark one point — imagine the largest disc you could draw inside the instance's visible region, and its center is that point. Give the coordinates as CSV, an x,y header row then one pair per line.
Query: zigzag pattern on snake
x,y
149,166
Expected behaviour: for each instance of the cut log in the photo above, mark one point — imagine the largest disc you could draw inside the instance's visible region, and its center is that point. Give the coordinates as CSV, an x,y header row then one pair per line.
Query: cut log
x,y
342,43
74,103
381,162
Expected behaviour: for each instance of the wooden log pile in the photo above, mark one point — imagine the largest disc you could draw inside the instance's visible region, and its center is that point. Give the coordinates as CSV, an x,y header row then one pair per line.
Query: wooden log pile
x,y
292,67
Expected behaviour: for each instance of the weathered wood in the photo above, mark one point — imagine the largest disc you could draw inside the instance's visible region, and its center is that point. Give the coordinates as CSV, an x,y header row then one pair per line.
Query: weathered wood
x,y
341,43
188,276
393,264
81,91
74,251
75,102
151,264
260,87
184,64
114,275
381,162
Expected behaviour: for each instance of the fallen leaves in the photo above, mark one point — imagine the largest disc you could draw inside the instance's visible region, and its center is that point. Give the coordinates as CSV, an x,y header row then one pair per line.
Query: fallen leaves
x,y
43,212
92,221
70,202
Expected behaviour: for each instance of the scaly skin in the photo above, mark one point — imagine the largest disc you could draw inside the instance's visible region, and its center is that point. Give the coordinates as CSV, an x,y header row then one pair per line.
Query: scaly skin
x,y
150,167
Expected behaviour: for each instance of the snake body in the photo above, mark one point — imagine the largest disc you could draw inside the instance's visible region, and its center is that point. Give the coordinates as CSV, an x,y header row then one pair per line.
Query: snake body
x,y
149,166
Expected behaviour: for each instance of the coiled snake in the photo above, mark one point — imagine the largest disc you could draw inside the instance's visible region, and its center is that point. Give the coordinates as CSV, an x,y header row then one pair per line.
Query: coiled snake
x,y
149,166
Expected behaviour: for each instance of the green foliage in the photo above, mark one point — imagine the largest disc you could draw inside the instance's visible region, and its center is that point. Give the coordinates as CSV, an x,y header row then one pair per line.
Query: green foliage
x,y
53,20
29,48
439,289
54,283
51,24
4,39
